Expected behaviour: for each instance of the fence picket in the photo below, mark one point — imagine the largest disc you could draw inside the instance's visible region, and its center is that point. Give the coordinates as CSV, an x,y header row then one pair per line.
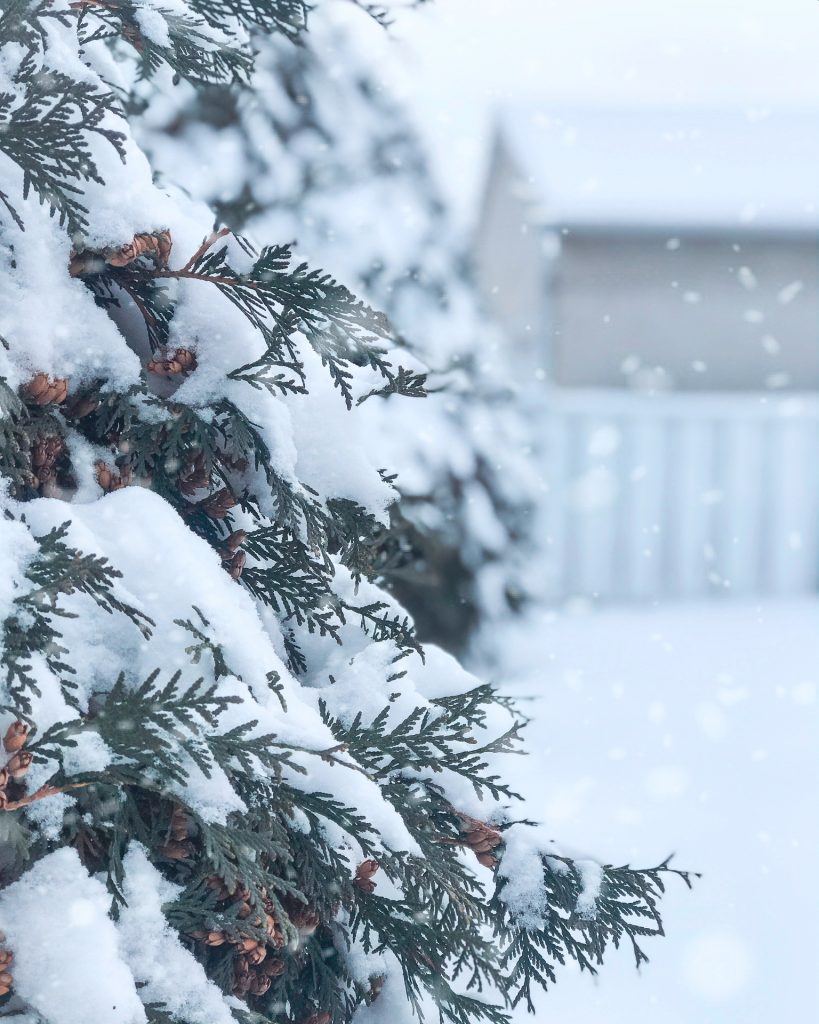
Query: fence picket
x,y
681,495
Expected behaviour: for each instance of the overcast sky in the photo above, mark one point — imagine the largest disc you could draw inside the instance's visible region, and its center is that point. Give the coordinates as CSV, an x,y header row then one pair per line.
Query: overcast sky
x,y
467,56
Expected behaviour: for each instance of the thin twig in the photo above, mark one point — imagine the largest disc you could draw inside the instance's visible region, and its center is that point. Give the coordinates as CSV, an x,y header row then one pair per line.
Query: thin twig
x,y
41,794
203,248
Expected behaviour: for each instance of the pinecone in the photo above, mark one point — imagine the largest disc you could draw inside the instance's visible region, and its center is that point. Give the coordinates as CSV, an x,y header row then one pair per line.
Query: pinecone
x,y
218,504
16,736
218,886
305,920
195,475
253,976
259,984
489,860
6,957
241,976
85,262
157,245
111,481
374,991
232,558
364,874
177,851
235,463
131,34
180,826
234,541
19,765
275,934
82,407
44,455
181,360
481,839
256,955
235,564
164,244
210,938
273,968
43,390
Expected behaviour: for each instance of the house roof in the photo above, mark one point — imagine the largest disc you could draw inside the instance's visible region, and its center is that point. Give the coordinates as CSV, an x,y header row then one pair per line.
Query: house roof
x,y
681,168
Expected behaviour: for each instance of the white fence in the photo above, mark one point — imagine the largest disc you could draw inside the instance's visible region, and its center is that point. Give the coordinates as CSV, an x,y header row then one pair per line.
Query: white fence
x,y
680,495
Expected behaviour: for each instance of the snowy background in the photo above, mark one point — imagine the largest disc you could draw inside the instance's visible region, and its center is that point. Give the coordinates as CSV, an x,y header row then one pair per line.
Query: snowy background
x,y
463,58
688,727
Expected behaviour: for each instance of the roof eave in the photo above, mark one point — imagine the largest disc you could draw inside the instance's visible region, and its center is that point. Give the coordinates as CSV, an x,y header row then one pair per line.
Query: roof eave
x,y
668,229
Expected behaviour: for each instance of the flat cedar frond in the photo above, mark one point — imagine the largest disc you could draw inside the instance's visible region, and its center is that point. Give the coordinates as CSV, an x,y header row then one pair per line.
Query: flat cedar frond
x,y
425,740
377,622
627,898
278,298
193,50
48,135
213,717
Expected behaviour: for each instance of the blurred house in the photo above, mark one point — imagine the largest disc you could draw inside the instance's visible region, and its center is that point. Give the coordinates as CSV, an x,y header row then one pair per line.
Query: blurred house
x,y
658,270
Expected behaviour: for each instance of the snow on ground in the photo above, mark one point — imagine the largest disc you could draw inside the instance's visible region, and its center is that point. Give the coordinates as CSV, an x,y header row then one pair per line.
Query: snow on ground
x,y
690,729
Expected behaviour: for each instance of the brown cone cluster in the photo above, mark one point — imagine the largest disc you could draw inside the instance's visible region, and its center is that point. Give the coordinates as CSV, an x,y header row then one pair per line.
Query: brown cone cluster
x,y
218,504
481,838
45,453
254,979
194,475
235,463
45,390
364,875
233,558
6,957
255,962
318,1018
305,920
181,360
82,407
179,845
157,245
236,565
110,480
18,764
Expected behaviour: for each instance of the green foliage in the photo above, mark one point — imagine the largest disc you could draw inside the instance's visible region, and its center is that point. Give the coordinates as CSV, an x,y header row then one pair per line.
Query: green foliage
x,y
47,135
439,930
48,121
58,571
278,871
193,50
437,740
624,907
277,299
15,440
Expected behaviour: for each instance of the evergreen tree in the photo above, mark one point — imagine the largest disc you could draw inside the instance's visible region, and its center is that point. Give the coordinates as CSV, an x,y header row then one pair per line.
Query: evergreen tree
x,y
322,152
234,786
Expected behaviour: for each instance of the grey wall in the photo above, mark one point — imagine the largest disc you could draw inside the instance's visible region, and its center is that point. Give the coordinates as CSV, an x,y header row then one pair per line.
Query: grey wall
x,y
712,312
